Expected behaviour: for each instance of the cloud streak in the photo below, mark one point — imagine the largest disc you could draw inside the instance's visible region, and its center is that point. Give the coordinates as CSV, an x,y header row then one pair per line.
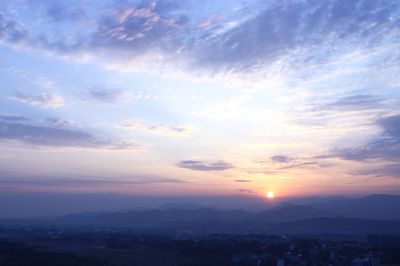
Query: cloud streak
x,y
248,191
162,129
392,170
14,118
386,146
18,180
205,165
57,137
242,180
109,96
356,102
280,159
42,100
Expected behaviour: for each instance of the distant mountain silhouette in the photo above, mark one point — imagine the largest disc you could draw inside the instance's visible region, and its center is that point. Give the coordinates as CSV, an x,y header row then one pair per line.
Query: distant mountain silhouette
x,y
376,213
371,207
184,206
157,217
292,212
338,225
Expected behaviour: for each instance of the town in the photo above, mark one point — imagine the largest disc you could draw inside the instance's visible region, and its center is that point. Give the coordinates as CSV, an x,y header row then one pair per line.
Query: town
x,y
125,247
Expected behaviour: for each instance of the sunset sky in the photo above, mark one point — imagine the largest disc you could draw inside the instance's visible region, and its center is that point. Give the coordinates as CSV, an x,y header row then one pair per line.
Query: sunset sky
x,y
201,98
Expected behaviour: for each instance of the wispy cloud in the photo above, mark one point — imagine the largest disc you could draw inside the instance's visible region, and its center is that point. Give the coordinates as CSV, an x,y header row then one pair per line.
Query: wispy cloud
x,y
109,96
44,100
48,120
282,162
280,159
391,170
386,146
58,137
302,164
356,102
205,165
13,118
60,122
43,82
160,30
18,180
248,191
62,12
243,180
162,129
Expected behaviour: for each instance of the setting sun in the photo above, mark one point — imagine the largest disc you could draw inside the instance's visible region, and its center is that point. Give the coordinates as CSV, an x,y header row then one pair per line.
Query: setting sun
x,y
270,194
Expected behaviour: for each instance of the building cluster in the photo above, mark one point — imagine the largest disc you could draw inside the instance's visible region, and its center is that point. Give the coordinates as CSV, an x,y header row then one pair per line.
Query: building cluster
x,y
376,251
124,247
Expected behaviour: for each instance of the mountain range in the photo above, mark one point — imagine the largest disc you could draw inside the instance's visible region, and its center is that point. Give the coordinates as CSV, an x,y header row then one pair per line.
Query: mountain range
x,y
372,214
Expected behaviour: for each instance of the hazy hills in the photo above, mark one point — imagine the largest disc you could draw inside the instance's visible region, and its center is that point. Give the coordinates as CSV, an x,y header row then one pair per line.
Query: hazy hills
x,y
371,207
338,225
372,214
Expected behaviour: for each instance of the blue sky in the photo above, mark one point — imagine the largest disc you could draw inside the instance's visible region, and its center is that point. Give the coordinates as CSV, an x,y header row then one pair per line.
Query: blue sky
x,y
200,97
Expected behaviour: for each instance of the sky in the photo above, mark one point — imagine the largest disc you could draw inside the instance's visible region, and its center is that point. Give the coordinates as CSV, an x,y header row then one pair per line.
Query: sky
x,y
236,98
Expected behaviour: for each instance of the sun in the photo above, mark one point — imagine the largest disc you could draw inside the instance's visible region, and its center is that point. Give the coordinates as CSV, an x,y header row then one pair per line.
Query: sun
x,y
270,194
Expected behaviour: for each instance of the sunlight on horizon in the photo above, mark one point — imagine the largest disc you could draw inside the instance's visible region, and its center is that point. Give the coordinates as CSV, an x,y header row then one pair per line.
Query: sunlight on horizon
x,y
270,195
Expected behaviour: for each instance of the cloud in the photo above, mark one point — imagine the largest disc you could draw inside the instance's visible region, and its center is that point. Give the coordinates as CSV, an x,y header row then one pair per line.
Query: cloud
x,y
60,122
134,31
48,120
161,129
333,112
205,166
14,118
382,153
392,170
162,31
295,27
130,24
280,159
21,180
167,128
120,145
42,100
284,162
246,191
386,146
109,96
242,180
43,82
57,137
303,164
12,32
391,128
355,102
61,12
122,34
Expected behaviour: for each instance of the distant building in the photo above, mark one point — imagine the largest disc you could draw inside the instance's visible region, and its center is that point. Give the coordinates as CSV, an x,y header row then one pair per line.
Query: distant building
x,y
249,257
332,255
370,260
280,262
383,240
